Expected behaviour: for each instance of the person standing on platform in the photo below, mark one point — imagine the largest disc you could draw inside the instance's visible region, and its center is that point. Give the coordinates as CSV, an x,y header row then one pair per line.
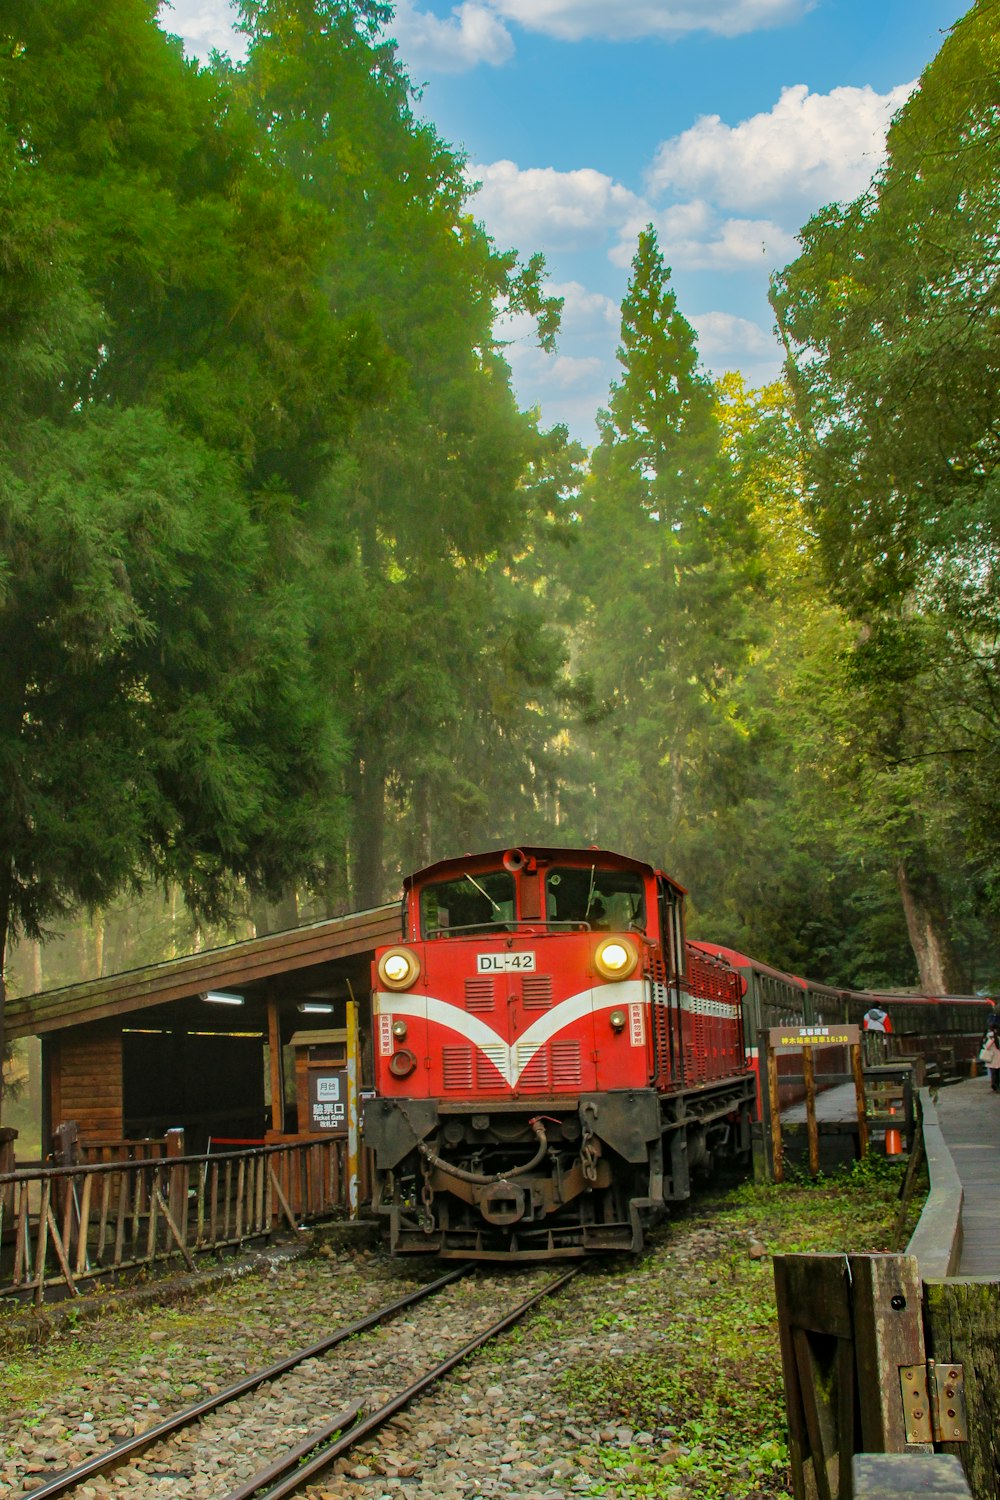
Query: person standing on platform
x,y
989,1053
876,1023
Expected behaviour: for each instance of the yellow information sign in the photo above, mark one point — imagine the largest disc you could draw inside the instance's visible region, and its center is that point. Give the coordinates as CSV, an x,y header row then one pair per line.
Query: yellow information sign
x,y
788,1038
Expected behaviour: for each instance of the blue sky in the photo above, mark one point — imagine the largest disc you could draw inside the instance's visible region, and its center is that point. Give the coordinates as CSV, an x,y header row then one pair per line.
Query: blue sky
x,y
726,123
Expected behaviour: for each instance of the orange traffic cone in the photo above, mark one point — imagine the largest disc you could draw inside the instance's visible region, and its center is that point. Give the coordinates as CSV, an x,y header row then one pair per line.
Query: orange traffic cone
x,y
893,1140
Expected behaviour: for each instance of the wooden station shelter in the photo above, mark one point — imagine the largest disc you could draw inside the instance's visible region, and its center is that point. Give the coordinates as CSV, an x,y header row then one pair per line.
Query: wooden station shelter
x,y
239,1043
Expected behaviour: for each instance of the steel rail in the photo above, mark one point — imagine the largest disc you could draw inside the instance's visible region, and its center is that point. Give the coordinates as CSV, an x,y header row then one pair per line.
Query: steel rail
x,y
304,1473
112,1457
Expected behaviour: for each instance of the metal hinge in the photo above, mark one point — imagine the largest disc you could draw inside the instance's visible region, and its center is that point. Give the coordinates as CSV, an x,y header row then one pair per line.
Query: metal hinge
x,y
934,1403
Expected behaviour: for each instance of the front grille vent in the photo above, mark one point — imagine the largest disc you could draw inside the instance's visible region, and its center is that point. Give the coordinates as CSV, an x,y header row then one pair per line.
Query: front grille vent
x,y
536,991
456,1067
489,1063
557,1065
479,993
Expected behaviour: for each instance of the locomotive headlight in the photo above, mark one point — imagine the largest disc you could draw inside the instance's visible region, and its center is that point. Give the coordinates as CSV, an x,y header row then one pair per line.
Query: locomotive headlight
x,y
398,968
399,1030
616,958
617,1019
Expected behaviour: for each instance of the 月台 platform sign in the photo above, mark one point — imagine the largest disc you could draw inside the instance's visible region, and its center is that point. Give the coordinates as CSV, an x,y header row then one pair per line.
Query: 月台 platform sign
x,y
328,1099
796,1038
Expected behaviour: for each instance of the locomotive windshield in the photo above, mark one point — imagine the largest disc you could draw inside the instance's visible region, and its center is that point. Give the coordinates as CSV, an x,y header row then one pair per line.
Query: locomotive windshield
x,y
608,900
470,903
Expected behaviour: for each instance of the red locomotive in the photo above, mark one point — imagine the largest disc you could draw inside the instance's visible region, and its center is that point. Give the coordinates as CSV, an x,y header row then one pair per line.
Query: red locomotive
x,y
552,1060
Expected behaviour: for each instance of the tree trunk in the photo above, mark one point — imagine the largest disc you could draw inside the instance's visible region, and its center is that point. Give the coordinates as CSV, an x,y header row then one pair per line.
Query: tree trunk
x,y
369,833
927,925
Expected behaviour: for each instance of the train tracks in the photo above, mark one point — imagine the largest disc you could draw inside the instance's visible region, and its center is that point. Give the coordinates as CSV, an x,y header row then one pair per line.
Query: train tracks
x,y
299,1462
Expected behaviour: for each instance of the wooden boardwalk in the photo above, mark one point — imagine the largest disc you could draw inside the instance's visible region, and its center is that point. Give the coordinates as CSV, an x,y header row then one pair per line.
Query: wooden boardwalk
x,y
969,1116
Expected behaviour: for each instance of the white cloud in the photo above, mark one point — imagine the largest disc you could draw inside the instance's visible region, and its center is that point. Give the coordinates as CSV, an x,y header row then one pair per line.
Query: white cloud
x,y
625,20
809,149
694,237
203,25
541,208
472,34
727,342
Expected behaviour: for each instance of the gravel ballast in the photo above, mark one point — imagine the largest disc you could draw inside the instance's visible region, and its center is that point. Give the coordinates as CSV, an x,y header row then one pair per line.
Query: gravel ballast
x,y
655,1377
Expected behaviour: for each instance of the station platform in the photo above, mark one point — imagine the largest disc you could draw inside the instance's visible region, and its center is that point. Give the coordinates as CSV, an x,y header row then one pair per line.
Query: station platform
x,y
969,1116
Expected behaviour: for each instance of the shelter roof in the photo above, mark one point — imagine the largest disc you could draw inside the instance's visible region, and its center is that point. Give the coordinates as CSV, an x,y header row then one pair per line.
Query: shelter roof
x,y
329,950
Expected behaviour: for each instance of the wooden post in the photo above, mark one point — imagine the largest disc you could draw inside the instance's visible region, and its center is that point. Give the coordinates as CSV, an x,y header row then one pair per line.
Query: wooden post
x,y
809,1079
353,1121
177,1191
276,1068
962,1322
859,1095
888,1338
774,1110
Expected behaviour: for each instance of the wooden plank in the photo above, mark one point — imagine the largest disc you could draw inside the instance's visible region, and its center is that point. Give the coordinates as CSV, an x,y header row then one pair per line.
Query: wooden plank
x,y
61,1254
122,1217
22,1243
962,1322
42,1241
289,1216
175,1230
888,1337
83,1230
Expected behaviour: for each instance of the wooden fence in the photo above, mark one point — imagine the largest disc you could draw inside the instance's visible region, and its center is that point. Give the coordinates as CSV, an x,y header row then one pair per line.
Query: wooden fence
x,y
65,1226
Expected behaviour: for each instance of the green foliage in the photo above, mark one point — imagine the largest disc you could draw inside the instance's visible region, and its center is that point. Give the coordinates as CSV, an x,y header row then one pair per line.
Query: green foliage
x,y
889,318
665,561
716,1415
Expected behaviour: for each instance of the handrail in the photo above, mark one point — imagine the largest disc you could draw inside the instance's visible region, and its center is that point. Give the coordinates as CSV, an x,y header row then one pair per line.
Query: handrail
x,y
66,1225
936,1243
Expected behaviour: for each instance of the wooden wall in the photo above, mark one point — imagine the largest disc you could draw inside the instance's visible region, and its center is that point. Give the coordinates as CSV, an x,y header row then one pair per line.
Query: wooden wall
x,y
85,1080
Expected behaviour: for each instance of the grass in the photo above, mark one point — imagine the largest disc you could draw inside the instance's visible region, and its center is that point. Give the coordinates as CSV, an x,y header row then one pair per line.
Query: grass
x,y
693,1364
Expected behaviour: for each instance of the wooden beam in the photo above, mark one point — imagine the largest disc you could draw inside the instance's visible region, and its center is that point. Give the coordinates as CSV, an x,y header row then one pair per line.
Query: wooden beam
x,y
276,1065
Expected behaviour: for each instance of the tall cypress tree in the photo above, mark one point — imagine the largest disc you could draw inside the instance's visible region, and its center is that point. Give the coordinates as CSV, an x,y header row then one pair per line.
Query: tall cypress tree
x,y
667,554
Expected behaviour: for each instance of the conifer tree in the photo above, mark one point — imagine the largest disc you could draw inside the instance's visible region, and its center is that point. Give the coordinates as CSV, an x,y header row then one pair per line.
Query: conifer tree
x,y
667,554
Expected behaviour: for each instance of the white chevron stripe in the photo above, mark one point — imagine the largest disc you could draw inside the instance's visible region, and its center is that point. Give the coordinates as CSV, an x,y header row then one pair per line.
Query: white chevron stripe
x,y
510,1060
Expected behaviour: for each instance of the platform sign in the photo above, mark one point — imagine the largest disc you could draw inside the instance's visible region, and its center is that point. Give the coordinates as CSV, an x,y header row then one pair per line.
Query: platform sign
x,y
328,1099
796,1038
